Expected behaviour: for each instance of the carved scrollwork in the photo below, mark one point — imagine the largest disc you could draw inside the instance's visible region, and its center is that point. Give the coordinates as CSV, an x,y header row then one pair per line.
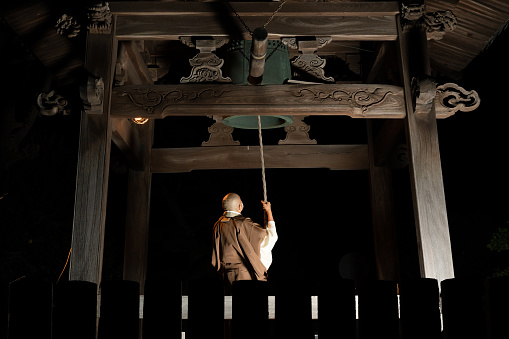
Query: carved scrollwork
x,y
439,23
99,18
155,102
361,100
451,98
297,133
92,94
313,65
68,26
206,65
308,62
51,104
206,68
220,135
436,23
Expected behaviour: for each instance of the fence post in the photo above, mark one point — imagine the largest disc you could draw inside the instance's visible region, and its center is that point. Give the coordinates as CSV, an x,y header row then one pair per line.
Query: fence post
x,y
120,305
4,292
336,309
462,309
420,309
378,310
30,309
162,309
205,309
293,310
250,311
497,301
75,310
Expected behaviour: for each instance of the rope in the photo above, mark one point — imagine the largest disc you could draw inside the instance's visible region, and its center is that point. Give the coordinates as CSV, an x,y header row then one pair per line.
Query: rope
x,y
262,159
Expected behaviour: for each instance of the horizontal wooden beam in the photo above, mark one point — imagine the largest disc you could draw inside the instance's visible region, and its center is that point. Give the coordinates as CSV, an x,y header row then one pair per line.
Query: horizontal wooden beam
x,y
249,9
340,20
348,28
334,157
357,100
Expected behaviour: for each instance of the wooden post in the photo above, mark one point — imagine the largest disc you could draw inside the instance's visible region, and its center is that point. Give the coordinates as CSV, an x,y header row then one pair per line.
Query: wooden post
x,y
258,51
93,166
434,245
382,210
138,210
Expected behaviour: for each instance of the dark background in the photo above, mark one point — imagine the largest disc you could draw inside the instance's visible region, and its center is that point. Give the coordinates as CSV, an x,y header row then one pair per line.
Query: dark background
x,y
321,215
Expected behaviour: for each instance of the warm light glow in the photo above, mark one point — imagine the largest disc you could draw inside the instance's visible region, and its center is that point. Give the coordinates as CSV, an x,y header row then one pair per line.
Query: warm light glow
x,y
140,121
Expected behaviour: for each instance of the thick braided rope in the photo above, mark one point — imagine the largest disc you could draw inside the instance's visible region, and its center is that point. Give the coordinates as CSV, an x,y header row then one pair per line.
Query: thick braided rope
x,y
262,159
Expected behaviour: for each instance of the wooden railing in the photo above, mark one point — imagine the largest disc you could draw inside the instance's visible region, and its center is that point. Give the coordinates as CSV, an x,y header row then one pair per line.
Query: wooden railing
x,y
469,309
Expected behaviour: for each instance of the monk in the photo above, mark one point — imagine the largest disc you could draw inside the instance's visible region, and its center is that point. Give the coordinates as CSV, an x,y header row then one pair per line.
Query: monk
x,y
242,249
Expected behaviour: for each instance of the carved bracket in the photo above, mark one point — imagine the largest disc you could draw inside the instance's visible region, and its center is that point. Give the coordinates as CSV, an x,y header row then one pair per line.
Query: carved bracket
x,y
297,133
51,103
99,18
451,98
206,65
92,95
220,134
308,62
436,23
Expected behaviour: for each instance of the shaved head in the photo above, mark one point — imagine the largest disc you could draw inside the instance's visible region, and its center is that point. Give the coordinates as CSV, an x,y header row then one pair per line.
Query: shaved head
x,y
232,202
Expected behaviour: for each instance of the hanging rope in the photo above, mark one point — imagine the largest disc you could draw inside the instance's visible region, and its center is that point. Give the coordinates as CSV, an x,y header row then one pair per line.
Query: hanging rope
x,y
262,159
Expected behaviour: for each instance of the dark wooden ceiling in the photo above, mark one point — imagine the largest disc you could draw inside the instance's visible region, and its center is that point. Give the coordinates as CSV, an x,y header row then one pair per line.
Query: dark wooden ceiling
x,y
33,21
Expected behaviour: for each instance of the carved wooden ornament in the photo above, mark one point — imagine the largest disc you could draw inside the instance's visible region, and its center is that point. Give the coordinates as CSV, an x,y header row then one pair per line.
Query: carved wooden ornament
x,y
92,95
206,65
359,101
99,17
51,104
451,98
297,133
220,134
68,26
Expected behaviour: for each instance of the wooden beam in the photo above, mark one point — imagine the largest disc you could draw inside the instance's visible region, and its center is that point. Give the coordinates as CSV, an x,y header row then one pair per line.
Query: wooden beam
x,y
357,101
340,28
127,138
250,9
334,157
138,211
383,216
434,244
93,168
133,64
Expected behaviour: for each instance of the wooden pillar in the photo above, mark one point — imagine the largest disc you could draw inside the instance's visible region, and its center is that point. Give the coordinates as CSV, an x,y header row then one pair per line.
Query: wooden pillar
x,y
138,210
93,163
434,245
382,211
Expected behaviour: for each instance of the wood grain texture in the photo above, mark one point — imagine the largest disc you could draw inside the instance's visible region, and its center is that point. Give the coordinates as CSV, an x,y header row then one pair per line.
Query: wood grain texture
x,y
335,157
434,244
92,169
138,212
358,101
383,216
264,9
352,28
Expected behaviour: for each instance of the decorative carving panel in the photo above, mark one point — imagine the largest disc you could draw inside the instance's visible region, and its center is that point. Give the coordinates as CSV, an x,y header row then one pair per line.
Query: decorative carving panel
x,y
362,101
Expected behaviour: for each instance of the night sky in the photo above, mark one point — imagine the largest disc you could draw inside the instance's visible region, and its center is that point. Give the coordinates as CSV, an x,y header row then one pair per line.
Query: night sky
x,y
321,215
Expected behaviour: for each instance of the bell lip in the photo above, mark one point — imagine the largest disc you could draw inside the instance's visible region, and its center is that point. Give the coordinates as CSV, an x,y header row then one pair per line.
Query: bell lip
x,y
230,121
